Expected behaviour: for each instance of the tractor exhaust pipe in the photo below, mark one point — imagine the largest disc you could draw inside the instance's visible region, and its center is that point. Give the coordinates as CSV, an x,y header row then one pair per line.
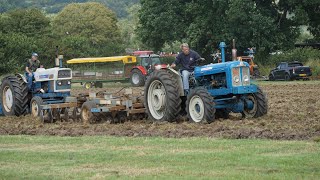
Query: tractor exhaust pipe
x,y
58,59
222,46
234,50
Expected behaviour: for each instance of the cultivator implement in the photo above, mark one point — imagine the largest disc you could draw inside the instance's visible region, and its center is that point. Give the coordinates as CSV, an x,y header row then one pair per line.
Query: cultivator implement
x,y
115,108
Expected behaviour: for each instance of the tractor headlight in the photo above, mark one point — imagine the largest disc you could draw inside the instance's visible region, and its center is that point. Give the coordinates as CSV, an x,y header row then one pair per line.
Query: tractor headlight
x,y
69,82
236,81
59,83
245,76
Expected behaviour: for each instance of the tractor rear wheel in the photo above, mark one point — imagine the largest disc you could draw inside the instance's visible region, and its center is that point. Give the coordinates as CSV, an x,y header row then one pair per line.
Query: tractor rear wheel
x,y
14,96
200,106
137,79
260,105
86,115
35,106
161,96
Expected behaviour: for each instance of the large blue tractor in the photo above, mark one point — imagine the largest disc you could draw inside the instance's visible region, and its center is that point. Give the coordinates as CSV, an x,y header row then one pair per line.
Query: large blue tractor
x,y
216,91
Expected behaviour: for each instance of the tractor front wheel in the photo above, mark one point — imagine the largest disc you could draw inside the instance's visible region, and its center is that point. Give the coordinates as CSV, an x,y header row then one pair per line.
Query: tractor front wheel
x,y
259,107
86,115
200,106
137,79
35,105
162,99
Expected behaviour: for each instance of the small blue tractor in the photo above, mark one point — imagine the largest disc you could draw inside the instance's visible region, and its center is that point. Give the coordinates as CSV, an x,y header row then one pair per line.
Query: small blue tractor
x,y
216,91
48,98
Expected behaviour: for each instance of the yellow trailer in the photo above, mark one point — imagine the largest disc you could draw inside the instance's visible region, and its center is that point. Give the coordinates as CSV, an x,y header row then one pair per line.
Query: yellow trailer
x,y
93,72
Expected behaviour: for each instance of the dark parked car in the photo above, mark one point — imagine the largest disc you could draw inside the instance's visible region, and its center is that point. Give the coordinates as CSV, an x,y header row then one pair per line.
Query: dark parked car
x,y
290,71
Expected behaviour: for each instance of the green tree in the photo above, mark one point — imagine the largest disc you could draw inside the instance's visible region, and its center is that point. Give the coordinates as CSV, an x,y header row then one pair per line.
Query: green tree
x,y
30,22
88,22
128,28
268,25
22,32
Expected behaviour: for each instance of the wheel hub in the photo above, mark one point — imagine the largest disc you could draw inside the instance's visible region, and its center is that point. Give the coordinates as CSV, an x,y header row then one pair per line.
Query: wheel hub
x,y
250,106
34,109
196,109
156,99
135,78
8,99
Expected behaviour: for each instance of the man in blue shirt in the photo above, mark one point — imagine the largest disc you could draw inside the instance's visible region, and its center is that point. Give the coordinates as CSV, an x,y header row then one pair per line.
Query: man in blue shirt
x,y
188,60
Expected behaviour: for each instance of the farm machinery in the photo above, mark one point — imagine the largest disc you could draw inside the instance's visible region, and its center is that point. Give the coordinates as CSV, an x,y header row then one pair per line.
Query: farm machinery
x,y
146,65
50,98
216,91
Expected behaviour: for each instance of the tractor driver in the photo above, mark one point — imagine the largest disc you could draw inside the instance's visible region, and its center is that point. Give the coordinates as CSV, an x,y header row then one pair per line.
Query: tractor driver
x,y
32,65
188,59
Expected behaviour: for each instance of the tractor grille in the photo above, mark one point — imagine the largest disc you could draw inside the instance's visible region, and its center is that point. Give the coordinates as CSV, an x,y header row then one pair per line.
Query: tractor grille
x,y
240,76
64,74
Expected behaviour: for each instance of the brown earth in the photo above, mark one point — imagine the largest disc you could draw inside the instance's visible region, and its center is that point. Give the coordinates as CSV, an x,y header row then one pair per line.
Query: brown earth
x,y
294,113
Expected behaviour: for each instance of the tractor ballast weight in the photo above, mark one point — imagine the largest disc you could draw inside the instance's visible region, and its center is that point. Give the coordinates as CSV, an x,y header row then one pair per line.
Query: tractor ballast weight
x,y
215,91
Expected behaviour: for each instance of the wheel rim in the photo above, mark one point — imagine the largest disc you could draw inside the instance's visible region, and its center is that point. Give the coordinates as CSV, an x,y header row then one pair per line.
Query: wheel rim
x,y
250,113
156,99
196,109
35,109
7,99
135,78
87,85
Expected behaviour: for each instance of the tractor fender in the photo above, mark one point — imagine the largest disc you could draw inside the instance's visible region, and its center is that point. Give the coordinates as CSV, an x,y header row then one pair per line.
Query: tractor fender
x,y
141,68
22,77
177,76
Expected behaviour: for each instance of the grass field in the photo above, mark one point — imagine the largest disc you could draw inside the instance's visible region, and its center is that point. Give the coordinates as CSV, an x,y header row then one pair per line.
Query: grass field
x,y
102,157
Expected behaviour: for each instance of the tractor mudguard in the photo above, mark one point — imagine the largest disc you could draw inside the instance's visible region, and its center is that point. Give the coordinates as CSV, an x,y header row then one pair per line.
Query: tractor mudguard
x,y
177,76
141,68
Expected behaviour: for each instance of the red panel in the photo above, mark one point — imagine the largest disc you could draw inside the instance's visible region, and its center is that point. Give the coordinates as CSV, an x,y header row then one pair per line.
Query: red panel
x,y
141,68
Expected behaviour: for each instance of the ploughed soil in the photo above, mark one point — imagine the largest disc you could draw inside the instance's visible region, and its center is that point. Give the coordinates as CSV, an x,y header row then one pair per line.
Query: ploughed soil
x,y
294,114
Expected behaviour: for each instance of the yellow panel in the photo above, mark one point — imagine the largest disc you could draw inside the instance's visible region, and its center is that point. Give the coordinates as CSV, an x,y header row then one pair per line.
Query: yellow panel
x,y
124,59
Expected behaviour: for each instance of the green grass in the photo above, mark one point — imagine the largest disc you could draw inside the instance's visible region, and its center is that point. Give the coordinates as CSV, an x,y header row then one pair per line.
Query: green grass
x,y
99,157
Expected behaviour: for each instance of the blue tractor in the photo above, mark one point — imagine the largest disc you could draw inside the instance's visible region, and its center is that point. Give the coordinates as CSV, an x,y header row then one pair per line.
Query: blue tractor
x,y
48,97
216,91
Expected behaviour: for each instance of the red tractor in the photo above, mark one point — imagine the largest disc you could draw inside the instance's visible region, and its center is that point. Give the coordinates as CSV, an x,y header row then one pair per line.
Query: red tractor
x,y
147,62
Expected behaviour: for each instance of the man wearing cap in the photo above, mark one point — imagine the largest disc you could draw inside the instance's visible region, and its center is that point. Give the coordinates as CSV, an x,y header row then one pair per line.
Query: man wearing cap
x,y
32,65
188,59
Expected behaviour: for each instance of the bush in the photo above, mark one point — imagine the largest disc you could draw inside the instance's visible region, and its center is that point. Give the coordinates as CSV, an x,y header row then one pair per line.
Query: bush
x,y
307,56
298,54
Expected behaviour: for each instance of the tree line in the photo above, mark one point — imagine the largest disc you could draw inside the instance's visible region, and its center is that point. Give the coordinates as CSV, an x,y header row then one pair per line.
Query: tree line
x,y
79,30
268,25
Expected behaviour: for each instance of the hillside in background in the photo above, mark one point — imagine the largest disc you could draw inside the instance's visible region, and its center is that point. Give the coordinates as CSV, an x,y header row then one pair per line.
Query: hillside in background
x,y
54,6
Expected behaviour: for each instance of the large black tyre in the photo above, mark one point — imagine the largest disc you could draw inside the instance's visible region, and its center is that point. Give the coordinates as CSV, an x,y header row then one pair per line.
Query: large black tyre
x,y
35,106
86,115
161,96
260,105
137,79
271,77
287,77
200,106
14,96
